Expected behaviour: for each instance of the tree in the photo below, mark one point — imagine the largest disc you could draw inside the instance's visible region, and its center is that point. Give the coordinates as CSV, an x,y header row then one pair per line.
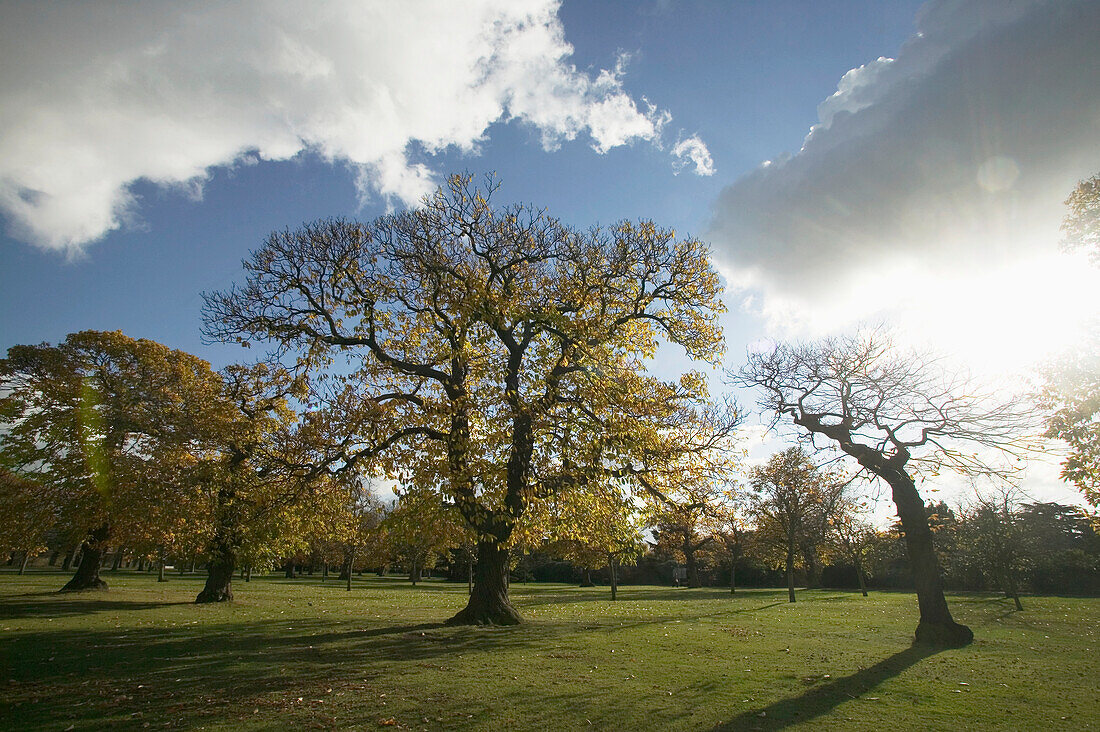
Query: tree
x,y
992,540
473,332
249,479
788,494
894,413
105,425
1070,394
421,529
729,524
853,538
1070,388
1082,224
591,526
682,530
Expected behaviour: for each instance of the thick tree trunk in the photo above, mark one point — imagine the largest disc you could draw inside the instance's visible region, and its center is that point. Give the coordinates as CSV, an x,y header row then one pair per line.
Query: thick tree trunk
x,y
350,565
489,603
290,569
936,626
160,571
87,572
27,558
859,576
54,556
219,577
414,572
790,572
733,577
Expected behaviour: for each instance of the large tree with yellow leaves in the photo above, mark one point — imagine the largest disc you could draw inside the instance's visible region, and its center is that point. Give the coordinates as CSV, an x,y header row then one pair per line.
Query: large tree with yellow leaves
x,y
473,334
104,425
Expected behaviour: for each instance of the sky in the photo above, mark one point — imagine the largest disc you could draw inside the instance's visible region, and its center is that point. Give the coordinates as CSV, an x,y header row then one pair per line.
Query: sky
x,y
848,162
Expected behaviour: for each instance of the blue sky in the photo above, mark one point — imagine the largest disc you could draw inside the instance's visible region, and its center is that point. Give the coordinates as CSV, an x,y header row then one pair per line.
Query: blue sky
x,y
145,151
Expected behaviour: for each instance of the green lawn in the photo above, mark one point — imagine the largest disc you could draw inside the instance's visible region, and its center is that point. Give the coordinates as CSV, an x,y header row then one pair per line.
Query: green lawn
x,y
301,654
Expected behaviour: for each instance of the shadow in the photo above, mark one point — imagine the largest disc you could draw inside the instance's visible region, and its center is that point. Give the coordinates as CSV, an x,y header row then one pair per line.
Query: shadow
x,y
52,605
825,697
141,671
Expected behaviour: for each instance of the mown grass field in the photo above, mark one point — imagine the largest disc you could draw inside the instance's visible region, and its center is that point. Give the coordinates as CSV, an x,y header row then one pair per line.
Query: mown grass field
x,y
301,654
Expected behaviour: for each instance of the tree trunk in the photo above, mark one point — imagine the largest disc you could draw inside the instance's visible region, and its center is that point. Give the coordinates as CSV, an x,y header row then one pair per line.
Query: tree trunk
x,y
54,556
67,563
87,572
469,571
859,576
611,572
790,572
692,566
27,558
587,581
936,626
414,572
733,577
489,603
119,556
1009,584
219,577
160,571
290,569
324,571
350,565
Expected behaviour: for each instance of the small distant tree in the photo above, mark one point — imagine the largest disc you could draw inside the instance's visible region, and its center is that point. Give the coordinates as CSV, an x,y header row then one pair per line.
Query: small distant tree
x,y
854,538
728,519
421,529
895,413
787,495
992,540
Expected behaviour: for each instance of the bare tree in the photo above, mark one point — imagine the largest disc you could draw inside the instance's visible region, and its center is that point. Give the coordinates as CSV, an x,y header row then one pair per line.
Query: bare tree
x,y
897,414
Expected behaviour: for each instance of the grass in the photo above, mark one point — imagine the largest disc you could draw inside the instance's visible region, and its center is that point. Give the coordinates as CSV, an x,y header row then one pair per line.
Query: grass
x,y
302,654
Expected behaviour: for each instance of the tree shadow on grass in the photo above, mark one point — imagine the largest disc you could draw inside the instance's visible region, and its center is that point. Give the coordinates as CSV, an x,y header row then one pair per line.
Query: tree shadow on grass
x,y
190,674
823,698
52,605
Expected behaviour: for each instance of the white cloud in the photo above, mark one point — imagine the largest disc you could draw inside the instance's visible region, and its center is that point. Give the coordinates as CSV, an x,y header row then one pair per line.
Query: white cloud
x,y
693,151
931,189
95,96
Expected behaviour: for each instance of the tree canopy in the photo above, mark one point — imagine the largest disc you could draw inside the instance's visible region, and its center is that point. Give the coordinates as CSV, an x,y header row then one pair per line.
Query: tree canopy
x,y
472,335
106,426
